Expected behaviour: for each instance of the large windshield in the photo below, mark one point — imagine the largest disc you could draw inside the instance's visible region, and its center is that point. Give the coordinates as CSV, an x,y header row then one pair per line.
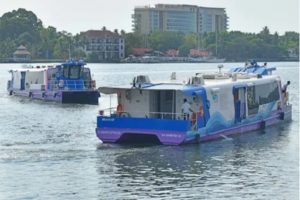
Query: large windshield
x,y
72,72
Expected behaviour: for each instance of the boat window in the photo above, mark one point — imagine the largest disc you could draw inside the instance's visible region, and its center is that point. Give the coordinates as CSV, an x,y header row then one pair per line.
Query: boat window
x,y
86,74
66,72
51,74
261,94
74,72
267,93
251,100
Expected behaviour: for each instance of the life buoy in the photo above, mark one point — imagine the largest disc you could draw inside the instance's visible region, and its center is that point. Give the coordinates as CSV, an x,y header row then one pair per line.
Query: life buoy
x,y
194,118
61,83
93,84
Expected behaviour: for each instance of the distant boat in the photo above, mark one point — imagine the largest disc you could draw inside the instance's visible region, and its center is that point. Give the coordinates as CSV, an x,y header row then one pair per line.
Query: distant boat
x,y
214,60
69,82
207,107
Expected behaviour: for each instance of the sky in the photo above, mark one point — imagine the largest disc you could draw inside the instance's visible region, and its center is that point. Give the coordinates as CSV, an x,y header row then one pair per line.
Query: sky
x,y
76,16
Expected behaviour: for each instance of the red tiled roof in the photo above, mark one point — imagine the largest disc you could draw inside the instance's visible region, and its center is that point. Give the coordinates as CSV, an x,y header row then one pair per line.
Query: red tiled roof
x,y
199,52
140,51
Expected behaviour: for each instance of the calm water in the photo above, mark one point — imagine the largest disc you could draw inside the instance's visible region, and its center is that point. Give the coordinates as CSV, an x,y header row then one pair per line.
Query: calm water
x,y
50,151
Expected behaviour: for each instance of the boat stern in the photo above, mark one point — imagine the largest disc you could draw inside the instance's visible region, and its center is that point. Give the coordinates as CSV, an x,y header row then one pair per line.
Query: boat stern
x,y
137,130
81,97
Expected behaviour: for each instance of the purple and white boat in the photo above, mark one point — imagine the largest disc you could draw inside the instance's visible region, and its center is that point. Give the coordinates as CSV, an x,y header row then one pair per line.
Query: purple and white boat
x,y
69,82
219,104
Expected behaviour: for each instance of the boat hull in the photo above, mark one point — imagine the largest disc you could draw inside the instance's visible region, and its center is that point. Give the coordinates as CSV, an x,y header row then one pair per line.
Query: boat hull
x,y
173,137
65,97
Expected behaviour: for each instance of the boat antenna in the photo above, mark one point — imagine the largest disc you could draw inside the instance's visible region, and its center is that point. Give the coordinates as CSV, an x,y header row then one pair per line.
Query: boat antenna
x,y
69,51
220,68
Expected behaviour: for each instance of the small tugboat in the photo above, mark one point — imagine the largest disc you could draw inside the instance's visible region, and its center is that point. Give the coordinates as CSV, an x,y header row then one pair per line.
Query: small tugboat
x,y
69,82
208,106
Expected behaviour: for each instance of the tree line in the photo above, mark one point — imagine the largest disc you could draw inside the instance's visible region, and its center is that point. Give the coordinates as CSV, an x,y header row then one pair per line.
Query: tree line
x,y
233,45
22,27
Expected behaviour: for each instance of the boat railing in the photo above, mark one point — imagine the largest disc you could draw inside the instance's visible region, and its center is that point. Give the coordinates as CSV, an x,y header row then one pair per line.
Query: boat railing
x,y
66,85
112,112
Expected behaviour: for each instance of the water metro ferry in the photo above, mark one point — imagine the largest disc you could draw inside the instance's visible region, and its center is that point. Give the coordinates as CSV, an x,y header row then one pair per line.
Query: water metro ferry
x,y
208,106
69,82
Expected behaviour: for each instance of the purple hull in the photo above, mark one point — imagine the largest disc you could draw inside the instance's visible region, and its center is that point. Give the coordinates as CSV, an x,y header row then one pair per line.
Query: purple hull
x,y
81,97
116,135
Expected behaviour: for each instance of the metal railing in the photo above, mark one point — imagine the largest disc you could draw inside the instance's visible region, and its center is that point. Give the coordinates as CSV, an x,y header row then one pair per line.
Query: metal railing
x,y
67,85
112,112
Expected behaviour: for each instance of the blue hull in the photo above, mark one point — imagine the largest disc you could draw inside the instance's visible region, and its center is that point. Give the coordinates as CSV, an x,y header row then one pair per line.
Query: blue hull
x,y
173,132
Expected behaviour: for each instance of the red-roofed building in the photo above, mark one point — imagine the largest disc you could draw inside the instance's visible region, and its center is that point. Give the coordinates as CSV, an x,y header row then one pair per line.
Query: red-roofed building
x,y
109,46
140,51
199,53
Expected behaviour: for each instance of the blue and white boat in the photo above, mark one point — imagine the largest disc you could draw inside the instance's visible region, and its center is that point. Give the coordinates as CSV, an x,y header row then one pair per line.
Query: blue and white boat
x,y
69,82
221,104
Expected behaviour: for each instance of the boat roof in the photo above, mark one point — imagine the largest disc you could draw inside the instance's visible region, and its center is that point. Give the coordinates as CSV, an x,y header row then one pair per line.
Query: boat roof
x,y
28,70
68,63
183,87
72,63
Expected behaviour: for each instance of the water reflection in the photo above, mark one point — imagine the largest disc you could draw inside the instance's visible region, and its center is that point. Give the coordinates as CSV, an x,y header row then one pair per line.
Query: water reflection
x,y
159,171
48,151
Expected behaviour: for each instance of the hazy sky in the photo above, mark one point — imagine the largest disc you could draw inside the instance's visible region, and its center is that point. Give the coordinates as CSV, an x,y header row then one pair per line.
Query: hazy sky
x,y
75,16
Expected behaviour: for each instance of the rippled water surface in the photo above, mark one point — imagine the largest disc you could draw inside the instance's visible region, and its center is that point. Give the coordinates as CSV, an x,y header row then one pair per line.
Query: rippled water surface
x,y
50,151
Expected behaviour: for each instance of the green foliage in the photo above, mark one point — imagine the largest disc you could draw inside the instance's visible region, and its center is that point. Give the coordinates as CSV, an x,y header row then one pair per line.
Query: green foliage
x,y
163,41
234,45
22,27
133,40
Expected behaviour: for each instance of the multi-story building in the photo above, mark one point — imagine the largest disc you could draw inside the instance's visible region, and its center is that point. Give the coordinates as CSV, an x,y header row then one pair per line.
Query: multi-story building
x,y
107,45
179,18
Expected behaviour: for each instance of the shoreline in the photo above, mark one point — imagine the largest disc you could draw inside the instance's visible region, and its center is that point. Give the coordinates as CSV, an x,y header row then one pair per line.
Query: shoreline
x,y
61,61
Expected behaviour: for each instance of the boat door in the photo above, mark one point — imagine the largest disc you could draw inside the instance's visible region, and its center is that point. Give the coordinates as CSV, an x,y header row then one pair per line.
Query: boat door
x,y
23,80
162,104
201,114
239,100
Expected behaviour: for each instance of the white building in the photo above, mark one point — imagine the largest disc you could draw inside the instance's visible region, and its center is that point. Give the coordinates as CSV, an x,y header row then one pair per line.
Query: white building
x,y
179,18
107,45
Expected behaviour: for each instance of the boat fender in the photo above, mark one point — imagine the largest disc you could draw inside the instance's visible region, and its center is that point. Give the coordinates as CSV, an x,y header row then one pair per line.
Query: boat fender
x,y
54,95
30,94
263,124
120,109
281,116
10,92
43,94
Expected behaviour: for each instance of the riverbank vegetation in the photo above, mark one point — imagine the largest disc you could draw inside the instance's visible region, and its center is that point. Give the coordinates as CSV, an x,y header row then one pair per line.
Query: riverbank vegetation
x,y
22,27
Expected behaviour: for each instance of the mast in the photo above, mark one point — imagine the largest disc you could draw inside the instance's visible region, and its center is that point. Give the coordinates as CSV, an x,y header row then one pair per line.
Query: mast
x,y
216,35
